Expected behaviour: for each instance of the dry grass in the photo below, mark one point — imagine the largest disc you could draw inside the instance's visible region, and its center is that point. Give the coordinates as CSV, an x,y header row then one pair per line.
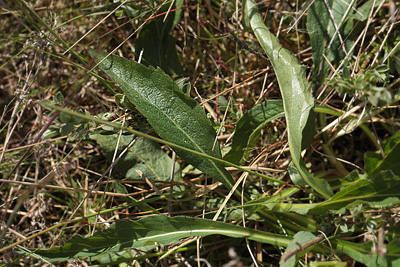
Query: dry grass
x,y
44,181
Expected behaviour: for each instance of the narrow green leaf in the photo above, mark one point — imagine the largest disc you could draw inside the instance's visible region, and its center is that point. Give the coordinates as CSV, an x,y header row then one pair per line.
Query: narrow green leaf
x,y
362,253
276,203
147,231
383,187
156,42
248,129
327,264
297,99
176,117
376,163
269,202
302,209
145,155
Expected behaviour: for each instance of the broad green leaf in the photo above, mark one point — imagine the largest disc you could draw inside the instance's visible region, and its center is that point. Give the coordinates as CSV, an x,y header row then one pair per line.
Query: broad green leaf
x,y
145,155
362,13
125,236
295,175
94,119
363,253
298,239
316,28
248,129
383,188
176,117
297,99
376,163
156,42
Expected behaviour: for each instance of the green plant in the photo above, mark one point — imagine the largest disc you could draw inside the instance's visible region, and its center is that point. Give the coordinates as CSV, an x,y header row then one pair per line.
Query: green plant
x,y
315,213
367,85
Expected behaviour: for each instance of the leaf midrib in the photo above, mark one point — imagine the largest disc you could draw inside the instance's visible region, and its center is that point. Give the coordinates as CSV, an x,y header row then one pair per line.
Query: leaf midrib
x,y
177,127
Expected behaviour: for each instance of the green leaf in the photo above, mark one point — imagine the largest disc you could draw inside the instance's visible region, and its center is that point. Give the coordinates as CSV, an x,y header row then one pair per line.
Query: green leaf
x,y
322,31
383,187
270,201
276,203
156,42
362,253
289,207
248,129
160,229
328,264
376,163
298,239
176,117
145,155
297,99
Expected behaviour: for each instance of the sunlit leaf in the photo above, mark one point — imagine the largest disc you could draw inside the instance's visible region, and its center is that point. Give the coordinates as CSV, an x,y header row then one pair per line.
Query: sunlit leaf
x,y
176,117
146,232
295,89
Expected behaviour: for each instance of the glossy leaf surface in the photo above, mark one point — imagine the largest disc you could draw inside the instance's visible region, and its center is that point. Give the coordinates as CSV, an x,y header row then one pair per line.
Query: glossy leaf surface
x,y
176,117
